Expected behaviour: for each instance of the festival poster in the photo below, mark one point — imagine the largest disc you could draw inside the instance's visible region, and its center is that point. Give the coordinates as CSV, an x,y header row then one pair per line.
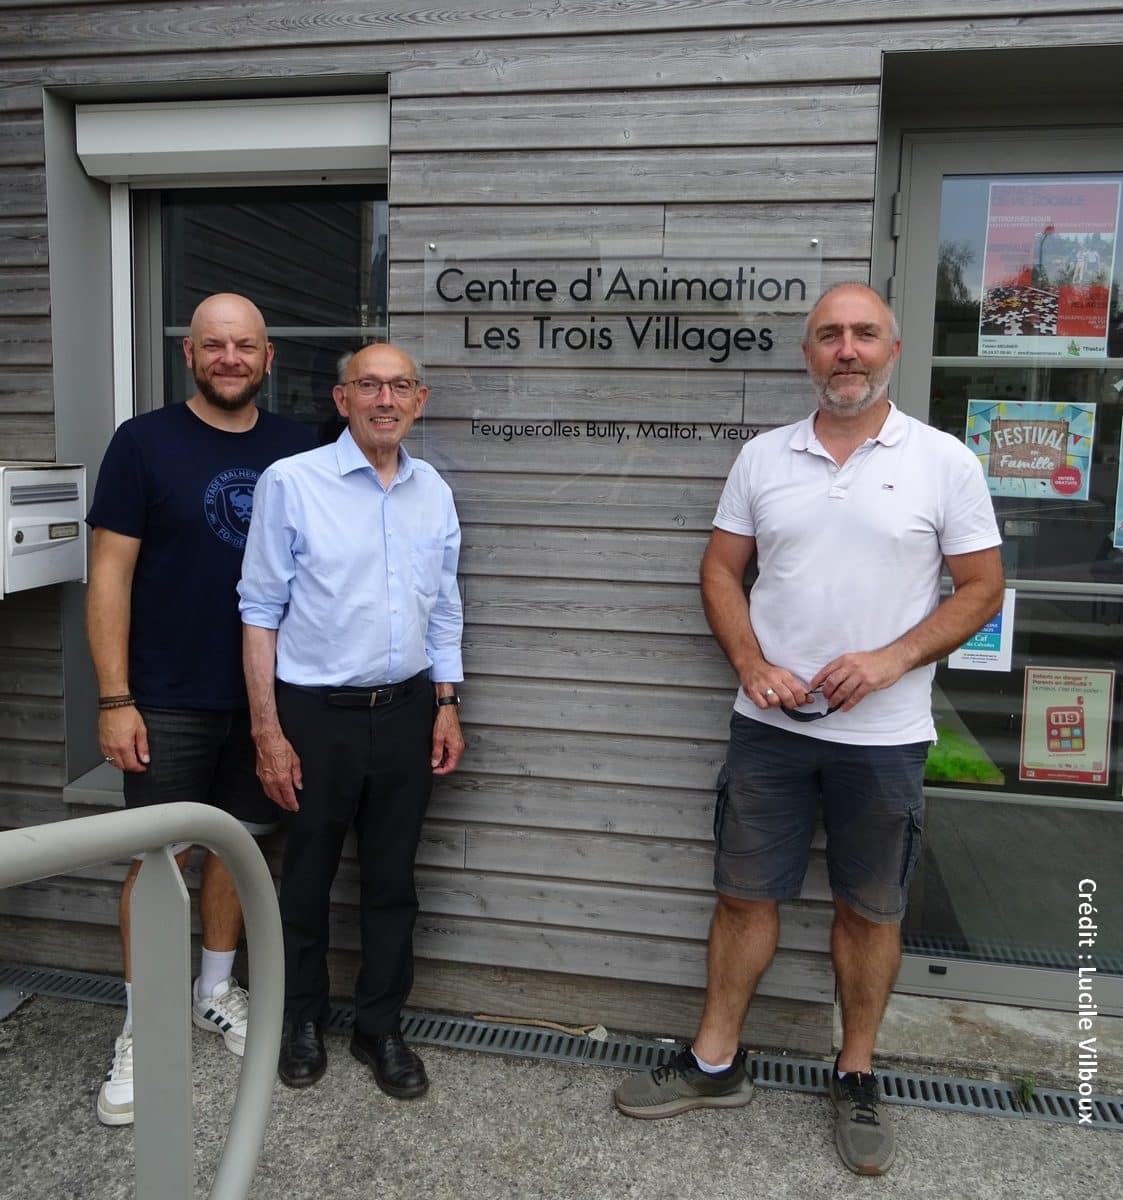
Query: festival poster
x,y
1033,449
1066,725
1047,268
991,649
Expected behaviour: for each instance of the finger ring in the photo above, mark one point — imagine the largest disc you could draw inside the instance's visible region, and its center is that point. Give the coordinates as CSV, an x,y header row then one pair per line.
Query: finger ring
x,y
109,760
770,692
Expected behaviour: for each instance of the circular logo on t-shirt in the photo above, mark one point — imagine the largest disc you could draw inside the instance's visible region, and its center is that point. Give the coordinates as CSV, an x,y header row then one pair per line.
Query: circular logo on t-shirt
x,y
228,503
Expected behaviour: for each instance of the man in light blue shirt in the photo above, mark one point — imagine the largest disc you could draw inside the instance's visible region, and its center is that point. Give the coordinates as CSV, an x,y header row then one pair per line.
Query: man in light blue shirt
x,y
352,623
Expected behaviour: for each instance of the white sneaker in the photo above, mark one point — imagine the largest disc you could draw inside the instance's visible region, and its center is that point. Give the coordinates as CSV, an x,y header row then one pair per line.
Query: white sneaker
x,y
115,1100
225,1011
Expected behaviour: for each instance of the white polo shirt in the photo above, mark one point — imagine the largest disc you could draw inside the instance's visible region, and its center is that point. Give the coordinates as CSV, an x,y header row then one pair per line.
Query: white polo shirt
x,y
850,557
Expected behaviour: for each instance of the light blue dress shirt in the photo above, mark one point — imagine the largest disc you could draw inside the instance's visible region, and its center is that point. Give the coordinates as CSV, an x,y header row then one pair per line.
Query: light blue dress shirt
x,y
358,580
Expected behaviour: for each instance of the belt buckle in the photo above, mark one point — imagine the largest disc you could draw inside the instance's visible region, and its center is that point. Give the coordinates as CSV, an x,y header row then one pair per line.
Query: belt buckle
x,y
381,696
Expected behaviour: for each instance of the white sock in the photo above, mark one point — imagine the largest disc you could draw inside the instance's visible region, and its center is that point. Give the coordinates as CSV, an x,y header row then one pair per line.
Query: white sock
x,y
128,1010
711,1068
214,968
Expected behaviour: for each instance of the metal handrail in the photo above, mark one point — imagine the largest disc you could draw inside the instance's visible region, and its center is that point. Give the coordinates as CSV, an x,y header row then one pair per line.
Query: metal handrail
x,y
162,978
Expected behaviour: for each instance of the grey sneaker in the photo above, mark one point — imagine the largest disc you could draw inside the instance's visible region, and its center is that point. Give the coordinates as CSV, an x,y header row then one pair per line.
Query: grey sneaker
x,y
680,1085
862,1134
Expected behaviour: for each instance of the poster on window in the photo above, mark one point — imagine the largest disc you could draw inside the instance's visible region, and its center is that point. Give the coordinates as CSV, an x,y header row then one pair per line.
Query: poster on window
x,y
1036,449
1047,268
1066,725
991,649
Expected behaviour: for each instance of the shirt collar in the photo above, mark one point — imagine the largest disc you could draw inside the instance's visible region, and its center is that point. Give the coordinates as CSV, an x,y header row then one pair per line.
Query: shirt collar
x,y
351,458
892,430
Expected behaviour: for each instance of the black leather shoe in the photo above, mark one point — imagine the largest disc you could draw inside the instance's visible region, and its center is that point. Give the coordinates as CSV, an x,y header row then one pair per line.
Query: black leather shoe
x,y
397,1070
302,1061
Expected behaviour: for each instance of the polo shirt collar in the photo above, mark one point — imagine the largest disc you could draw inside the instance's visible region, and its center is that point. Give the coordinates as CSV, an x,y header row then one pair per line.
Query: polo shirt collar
x,y
350,458
892,430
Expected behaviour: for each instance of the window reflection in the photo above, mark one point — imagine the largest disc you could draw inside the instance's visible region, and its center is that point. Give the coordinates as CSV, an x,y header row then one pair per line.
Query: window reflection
x,y
314,260
997,883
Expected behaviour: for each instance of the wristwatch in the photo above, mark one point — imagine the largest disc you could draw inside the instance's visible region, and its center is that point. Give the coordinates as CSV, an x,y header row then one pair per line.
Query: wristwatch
x,y
453,699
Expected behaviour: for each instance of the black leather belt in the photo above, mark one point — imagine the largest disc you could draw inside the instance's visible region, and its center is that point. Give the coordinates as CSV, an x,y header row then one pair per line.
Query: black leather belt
x,y
356,697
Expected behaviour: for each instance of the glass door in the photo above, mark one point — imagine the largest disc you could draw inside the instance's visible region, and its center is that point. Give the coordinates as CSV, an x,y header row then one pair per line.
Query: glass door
x,y
1008,284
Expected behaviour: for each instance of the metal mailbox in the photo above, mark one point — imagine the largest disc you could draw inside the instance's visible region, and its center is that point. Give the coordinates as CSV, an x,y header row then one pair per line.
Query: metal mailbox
x,y
42,510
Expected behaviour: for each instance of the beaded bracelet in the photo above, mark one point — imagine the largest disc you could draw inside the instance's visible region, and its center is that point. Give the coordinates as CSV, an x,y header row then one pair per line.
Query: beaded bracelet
x,y
125,701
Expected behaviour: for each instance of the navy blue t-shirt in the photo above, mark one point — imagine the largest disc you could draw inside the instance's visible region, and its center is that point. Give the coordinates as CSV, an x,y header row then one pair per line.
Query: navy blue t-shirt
x,y
186,490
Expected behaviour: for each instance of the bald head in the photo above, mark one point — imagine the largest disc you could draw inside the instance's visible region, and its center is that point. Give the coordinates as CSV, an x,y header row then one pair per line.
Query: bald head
x,y
408,366
227,308
228,351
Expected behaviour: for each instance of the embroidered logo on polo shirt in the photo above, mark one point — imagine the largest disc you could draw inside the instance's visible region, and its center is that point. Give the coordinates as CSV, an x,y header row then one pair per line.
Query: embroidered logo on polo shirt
x,y
228,504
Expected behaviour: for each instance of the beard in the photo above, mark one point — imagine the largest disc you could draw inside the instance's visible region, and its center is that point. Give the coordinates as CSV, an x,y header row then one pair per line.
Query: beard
x,y
228,402
838,404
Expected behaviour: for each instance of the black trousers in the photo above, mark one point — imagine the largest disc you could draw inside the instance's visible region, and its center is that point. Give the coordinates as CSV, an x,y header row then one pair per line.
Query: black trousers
x,y
368,768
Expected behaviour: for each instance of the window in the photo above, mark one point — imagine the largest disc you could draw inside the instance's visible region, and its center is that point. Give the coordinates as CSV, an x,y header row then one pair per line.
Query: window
x,y
312,259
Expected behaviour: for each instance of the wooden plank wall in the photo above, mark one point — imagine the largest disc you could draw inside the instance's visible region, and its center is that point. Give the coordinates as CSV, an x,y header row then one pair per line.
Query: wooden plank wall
x,y
575,842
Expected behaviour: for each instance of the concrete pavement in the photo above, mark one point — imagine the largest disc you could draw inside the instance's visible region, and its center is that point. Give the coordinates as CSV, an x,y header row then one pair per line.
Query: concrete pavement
x,y
498,1129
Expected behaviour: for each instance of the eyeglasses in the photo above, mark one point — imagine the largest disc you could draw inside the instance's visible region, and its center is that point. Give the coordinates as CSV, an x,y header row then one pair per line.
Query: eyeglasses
x,y
797,715
402,389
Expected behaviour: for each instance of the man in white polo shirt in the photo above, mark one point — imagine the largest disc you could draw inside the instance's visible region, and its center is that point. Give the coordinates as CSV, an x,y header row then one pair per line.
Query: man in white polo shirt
x,y
851,514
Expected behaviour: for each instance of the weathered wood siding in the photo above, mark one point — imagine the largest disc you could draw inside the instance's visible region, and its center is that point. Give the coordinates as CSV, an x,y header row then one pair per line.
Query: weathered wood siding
x,y
576,838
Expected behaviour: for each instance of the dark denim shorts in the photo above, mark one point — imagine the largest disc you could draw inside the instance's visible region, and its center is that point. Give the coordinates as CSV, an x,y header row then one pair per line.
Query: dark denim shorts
x,y
206,757
769,793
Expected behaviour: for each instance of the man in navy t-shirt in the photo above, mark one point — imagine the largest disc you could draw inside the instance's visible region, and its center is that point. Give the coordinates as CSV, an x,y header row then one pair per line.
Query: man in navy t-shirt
x,y
170,514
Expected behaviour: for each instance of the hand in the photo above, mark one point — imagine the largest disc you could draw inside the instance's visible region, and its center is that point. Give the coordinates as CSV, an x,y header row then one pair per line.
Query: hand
x,y
278,768
849,678
123,738
448,741
774,687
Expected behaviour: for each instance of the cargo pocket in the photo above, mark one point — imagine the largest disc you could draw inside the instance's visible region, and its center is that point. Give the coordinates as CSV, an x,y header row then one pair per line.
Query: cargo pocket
x,y
719,802
914,843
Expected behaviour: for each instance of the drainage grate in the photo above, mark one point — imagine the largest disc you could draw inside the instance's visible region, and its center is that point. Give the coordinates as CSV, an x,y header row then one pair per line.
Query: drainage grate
x,y
62,985
974,1096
